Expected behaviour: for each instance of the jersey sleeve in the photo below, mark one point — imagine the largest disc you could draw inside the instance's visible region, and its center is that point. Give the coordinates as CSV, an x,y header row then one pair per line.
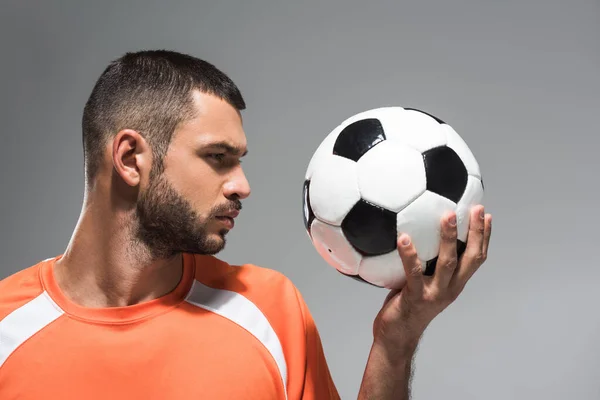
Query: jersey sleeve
x,y
318,383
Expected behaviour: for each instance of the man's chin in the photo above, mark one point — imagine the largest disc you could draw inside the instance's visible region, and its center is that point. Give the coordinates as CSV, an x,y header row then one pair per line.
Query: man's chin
x,y
215,242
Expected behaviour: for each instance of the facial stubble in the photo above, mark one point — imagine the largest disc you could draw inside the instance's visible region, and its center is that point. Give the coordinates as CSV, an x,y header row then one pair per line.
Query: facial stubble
x,y
166,223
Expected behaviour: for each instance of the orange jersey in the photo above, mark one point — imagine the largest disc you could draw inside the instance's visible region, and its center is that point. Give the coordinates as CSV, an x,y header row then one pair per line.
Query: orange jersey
x,y
225,332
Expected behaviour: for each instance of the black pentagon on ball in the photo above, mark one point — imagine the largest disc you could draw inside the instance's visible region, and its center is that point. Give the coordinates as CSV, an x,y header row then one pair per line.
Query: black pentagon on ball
x,y
359,279
446,174
431,264
426,113
370,229
358,137
307,212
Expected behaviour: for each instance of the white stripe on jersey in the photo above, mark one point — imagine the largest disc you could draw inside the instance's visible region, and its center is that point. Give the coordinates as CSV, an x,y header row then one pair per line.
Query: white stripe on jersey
x,y
243,312
24,322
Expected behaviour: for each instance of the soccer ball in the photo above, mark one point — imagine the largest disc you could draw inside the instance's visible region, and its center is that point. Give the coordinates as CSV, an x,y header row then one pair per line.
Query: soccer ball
x,y
384,172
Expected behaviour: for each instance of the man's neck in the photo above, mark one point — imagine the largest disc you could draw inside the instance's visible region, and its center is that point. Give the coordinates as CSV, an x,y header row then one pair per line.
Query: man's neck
x,y
104,267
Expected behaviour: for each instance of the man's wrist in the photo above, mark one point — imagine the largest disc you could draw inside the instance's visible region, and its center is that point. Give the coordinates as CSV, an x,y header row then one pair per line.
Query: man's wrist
x,y
396,353
388,372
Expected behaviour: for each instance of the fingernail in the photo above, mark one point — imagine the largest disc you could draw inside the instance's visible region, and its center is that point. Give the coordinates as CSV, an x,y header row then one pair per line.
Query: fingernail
x,y
482,214
452,220
405,241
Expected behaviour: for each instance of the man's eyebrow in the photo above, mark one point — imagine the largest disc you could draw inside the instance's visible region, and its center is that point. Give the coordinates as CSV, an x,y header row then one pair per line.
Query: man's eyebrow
x,y
228,148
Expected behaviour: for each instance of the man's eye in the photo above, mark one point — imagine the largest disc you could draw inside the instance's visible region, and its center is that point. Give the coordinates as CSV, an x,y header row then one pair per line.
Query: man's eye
x,y
224,160
218,156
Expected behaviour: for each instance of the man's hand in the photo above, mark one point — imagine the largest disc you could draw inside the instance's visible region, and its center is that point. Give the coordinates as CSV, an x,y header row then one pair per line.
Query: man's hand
x,y
406,313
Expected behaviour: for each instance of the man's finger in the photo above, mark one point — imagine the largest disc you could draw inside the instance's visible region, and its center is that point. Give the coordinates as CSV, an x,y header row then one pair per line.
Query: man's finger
x,y
447,257
487,233
473,255
412,265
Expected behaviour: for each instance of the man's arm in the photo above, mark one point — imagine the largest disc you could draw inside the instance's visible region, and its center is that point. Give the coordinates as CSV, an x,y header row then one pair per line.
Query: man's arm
x,y
406,313
387,377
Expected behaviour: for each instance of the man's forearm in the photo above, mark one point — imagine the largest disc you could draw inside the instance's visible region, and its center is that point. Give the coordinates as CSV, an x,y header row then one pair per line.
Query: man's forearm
x,y
387,376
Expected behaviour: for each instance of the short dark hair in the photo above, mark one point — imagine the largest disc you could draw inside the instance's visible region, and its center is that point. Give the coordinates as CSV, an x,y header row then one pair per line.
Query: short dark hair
x,y
149,91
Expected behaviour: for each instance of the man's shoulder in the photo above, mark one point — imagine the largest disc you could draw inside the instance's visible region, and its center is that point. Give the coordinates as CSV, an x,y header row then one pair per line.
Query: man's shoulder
x,y
20,288
215,271
268,288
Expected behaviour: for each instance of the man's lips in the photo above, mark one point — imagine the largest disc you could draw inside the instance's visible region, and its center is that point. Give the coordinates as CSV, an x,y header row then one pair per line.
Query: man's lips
x,y
227,218
229,214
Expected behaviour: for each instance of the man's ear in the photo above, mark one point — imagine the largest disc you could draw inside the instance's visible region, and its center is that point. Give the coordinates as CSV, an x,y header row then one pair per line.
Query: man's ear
x,y
132,157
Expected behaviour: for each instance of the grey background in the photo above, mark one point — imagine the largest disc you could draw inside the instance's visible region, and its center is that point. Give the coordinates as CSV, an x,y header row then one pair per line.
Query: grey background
x,y
517,79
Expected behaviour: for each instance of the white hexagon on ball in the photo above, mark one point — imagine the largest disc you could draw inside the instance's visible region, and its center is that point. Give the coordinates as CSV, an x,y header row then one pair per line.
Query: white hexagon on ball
x,y
335,249
391,175
385,270
413,128
334,189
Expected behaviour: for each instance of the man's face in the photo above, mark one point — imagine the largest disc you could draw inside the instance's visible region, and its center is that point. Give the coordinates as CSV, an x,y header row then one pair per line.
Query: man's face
x,y
190,206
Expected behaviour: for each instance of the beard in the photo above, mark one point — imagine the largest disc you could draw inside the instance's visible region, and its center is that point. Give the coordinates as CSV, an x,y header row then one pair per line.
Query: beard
x,y
167,224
